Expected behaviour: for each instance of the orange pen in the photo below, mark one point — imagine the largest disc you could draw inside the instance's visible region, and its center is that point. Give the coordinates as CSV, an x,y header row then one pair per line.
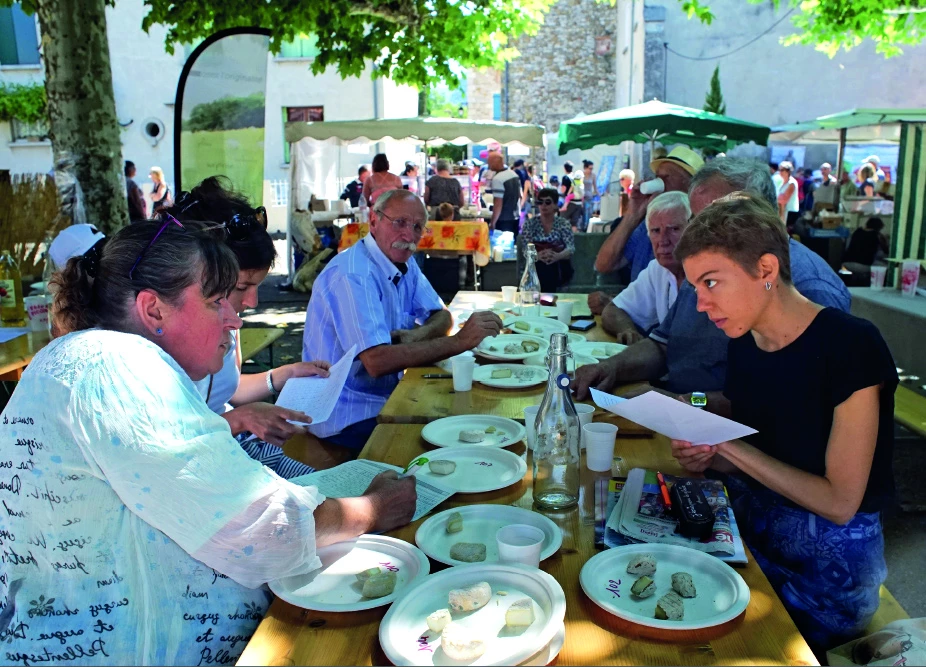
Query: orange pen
x,y
665,490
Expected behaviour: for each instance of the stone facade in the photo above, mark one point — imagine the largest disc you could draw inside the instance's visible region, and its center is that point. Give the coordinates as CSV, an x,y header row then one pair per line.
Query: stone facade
x,y
558,74
481,88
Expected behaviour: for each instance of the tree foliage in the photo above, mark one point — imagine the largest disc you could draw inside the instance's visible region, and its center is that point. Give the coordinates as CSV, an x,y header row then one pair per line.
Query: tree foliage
x,y
713,101
410,41
227,113
25,102
441,106
833,25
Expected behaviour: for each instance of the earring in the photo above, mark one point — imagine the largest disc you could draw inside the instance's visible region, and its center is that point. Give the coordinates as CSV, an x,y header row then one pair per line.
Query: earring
x,y
159,331
768,286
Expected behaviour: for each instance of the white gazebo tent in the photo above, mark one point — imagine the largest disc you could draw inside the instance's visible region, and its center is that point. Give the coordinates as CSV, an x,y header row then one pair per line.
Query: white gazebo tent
x,y
314,148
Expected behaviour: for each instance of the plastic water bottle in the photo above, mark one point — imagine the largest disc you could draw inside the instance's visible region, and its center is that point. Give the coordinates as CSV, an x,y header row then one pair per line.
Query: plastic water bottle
x,y
529,289
556,449
363,213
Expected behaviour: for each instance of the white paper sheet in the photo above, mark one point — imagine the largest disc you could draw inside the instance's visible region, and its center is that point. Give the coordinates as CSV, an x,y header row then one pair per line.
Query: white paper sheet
x,y
9,333
317,396
672,418
352,479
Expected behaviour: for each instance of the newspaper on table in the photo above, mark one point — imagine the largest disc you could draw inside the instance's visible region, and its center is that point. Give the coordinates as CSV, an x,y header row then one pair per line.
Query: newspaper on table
x,y
352,479
641,514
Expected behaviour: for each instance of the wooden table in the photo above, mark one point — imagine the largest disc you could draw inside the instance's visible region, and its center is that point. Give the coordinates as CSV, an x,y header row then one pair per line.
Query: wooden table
x,y
764,635
464,301
257,339
16,354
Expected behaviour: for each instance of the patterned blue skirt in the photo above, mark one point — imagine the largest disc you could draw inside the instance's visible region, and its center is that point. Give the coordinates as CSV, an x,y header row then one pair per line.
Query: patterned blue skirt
x,y
272,456
828,576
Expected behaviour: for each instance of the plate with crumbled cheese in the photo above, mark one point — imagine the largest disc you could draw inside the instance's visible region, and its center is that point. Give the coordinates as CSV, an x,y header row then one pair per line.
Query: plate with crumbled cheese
x,y
473,469
599,350
510,376
541,327
511,347
482,614
466,430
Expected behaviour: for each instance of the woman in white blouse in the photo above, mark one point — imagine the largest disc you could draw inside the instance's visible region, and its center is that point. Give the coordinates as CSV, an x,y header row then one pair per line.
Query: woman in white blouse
x,y
136,529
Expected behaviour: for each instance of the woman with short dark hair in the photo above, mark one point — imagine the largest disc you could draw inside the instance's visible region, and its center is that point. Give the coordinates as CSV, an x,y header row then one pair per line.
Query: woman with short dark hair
x,y
818,385
380,180
553,238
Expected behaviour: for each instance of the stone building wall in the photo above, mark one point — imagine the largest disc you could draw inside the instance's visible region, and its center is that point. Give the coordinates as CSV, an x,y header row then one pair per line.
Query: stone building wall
x,y
558,74
481,88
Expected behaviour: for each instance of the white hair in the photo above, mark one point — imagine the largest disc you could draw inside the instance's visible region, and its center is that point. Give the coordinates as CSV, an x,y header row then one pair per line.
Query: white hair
x,y
669,201
383,200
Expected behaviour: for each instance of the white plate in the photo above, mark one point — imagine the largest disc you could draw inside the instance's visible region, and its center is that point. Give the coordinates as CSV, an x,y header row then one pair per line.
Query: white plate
x,y
406,640
521,376
575,338
722,593
549,652
577,361
446,432
499,342
479,469
335,587
480,523
589,349
505,306
541,327
460,317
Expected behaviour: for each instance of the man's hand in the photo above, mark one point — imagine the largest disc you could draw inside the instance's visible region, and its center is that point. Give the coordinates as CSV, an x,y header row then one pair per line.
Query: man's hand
x,y
597,302
393,500
599,376
268,422
638,203
693,458
629,337
478,327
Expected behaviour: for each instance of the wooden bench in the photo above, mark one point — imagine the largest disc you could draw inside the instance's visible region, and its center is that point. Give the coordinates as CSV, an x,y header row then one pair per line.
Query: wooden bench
x,y
257,339
910,410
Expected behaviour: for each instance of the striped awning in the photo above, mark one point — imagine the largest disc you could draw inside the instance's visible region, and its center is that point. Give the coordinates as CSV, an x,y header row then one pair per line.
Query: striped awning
x,y
908,240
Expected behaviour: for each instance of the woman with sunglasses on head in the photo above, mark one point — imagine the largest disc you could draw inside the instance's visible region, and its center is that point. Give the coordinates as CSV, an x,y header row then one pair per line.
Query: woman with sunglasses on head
x,y
553,238
242,399
136,531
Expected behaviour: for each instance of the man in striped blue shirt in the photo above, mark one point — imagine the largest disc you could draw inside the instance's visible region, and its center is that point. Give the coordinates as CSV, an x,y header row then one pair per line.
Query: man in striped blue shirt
x,y
373,297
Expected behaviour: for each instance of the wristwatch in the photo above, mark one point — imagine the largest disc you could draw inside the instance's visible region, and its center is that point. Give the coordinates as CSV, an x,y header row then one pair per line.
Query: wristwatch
x,y
699,399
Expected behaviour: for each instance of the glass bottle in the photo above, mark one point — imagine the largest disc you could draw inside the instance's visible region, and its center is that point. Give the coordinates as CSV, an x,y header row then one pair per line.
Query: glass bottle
x,y
556,452
529,289
49,267
11,290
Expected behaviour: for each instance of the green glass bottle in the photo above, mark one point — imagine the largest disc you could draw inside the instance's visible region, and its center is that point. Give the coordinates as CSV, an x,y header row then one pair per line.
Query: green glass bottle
x,y
11,289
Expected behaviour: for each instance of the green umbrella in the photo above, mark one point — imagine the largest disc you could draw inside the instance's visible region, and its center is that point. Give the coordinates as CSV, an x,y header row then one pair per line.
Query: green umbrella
x,y
658,121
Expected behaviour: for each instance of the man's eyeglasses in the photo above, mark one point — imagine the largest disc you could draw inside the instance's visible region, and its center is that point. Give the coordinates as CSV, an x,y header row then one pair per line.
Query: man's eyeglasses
x,y
402,224
169,220
545,202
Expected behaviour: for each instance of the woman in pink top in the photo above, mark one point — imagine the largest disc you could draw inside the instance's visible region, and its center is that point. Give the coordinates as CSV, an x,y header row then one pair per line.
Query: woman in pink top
x,y
380,180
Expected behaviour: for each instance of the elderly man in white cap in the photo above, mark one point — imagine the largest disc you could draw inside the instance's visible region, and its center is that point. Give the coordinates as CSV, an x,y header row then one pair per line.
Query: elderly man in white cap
x,y
629,242
876,163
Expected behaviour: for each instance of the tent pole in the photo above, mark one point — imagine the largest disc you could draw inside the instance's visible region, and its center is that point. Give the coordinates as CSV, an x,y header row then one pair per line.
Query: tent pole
x,y
840,152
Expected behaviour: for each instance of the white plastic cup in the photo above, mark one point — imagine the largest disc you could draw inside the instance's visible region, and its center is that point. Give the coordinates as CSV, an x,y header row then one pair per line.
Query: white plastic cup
x,y
599,441
462,367
910,277
530,416
878,274
509,293
37,312
585,412
652,187
564,311
520,544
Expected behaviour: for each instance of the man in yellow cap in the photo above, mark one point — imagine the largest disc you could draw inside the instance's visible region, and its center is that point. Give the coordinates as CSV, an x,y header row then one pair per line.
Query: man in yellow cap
x,y
628,242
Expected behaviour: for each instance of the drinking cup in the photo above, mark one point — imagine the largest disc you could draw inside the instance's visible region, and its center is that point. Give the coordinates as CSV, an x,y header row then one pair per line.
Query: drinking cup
x,y
564,311
599,441
509,293
462,367
652,187
878,274
910,277
37,312
519,544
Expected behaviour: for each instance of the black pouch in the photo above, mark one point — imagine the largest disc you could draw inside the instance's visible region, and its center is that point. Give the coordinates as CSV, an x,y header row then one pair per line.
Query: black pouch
x,y
694,513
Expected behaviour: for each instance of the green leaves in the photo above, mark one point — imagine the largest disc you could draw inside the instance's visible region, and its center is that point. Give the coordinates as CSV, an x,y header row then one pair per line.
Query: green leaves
x,y
23,101
410,41
713,102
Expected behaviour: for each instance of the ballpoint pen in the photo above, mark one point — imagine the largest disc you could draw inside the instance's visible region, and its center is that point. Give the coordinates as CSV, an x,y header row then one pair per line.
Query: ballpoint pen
x,y
665,491
412,467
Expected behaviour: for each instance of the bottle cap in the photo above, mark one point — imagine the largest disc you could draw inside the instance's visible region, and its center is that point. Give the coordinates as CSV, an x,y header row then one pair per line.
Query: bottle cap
x,y
563,381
